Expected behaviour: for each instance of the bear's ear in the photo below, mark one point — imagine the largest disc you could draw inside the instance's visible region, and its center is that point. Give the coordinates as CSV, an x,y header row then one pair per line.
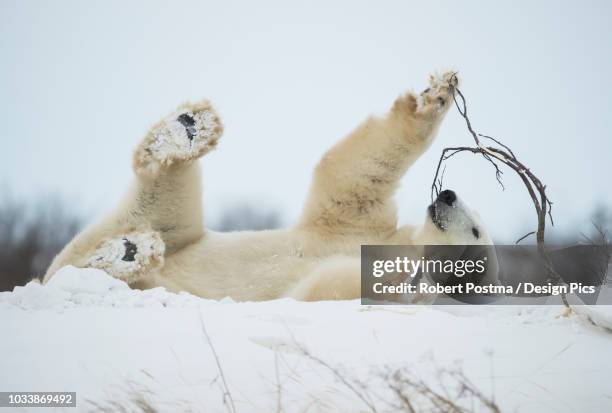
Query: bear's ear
x,y
483,268
444,253
484,258
487,255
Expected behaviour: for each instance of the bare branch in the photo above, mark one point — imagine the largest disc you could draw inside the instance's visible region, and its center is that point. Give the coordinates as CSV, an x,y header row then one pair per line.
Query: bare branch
x,y
497,142
503,155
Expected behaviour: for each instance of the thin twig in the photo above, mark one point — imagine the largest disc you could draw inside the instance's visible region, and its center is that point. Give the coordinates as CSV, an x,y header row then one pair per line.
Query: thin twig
x,y
347,383
227,395
279,387
524,236
453,387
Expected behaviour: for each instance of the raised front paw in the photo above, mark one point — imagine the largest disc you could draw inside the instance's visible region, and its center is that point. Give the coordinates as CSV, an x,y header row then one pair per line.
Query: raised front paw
x,y
129,257
439,95
187,134
428,107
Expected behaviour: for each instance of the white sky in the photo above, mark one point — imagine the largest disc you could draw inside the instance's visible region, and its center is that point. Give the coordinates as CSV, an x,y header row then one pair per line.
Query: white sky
x,y
81,81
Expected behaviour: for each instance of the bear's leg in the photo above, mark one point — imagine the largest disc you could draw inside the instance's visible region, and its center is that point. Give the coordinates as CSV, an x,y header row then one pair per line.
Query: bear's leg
x,y
168,192
354,182
164,203
129,257
337,278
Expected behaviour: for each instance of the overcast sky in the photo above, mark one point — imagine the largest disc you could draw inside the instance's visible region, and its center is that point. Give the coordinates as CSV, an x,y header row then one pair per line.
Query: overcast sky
x,y
81,81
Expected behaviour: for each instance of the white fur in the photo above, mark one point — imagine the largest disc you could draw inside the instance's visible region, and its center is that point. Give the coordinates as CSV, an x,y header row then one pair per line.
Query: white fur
x,y
350,204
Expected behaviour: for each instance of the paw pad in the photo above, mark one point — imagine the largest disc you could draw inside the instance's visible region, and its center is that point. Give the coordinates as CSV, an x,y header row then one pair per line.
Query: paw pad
x,y
184,135
130,257
189,123
130,250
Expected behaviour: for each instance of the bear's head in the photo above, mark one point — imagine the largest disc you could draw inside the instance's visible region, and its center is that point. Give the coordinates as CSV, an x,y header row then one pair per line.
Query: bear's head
x,y
449,221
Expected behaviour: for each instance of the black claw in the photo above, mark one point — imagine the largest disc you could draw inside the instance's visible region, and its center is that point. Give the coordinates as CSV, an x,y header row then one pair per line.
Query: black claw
x,y
189,123
130,250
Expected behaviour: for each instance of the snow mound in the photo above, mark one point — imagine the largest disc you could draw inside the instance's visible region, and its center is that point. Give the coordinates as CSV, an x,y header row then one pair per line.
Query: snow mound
x,y
74,287
87,332
86,280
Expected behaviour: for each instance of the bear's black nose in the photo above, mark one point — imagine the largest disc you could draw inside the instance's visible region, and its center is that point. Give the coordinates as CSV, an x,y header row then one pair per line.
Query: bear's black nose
x,y
447,196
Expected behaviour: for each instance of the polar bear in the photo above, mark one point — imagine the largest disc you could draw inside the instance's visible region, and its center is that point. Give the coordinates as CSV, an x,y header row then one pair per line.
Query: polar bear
x,y
156,237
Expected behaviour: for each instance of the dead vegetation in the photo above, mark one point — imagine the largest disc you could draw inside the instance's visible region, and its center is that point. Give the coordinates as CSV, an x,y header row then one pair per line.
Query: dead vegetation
x,y
400,389
397,389
31,234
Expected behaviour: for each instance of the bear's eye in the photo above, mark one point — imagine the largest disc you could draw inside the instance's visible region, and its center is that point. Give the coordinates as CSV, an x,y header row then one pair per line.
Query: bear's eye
x,y
475,232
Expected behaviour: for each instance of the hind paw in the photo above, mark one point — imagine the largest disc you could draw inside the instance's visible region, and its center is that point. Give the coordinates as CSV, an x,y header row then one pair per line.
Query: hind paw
x,y
187,134
129,257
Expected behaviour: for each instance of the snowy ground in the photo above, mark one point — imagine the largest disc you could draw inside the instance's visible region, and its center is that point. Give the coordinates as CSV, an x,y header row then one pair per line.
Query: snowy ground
x,y
89,333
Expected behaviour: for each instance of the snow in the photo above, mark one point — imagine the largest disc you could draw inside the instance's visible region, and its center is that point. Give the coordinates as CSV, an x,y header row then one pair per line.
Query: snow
x,y
87,332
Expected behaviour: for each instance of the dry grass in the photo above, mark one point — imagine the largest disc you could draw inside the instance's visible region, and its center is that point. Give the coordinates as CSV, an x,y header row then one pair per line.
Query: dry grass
x,y
398,390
